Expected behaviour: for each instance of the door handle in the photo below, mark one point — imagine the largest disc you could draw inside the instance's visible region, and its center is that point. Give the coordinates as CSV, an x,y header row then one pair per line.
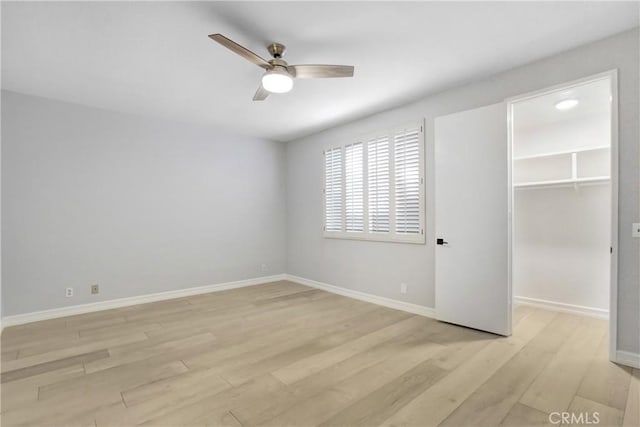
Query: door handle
x,y
441,242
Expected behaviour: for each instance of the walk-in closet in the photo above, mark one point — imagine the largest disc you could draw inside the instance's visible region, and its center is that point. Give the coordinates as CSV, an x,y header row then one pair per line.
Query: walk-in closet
x,y
561,174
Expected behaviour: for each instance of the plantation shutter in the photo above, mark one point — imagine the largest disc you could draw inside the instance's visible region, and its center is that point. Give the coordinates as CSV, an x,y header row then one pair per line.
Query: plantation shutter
x,y
354,188
333,189
407,180
378,183
374,187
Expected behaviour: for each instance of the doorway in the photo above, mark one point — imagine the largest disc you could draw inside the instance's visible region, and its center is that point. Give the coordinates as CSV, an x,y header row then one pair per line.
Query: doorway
x,y
563,159
567,180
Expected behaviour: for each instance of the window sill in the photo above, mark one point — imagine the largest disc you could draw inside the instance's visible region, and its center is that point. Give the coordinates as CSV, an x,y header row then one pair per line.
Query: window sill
x,y
372,237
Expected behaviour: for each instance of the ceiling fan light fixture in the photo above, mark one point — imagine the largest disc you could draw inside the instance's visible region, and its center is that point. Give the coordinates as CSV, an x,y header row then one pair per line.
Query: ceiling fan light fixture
x,y
277,80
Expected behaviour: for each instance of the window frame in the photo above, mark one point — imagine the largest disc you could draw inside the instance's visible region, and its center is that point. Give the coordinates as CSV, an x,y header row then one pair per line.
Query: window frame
x,y
391,235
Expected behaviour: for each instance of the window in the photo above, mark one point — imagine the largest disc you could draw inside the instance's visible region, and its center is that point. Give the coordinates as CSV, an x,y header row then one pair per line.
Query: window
x,y
378,189
354,185
407,185
333,190
374,187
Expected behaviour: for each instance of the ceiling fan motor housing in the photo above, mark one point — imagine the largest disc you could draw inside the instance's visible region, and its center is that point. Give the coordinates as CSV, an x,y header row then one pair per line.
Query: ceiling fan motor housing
x,y
276,50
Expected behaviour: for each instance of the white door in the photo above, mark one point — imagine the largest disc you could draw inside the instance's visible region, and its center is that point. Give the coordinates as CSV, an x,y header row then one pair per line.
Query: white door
x,y
472,203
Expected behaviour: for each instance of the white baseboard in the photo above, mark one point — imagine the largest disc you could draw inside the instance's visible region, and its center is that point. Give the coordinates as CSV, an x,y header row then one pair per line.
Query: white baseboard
x,y
562,307
36,316
627,358
374,299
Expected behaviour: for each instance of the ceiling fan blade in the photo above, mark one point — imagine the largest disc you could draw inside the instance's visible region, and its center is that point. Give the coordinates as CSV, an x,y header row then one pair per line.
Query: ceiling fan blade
x,y
320,71
240,50
261,94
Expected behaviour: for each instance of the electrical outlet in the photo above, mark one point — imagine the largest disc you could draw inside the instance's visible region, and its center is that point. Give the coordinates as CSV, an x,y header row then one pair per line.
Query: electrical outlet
x,y
403,288
636,229
68,292
95,289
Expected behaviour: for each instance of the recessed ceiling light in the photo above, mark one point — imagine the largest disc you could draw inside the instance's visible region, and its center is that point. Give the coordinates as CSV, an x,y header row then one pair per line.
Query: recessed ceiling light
x,y
566,104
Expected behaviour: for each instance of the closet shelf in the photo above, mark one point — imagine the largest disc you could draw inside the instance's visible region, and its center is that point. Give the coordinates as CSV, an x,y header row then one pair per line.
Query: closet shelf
x,y
561,153
564,182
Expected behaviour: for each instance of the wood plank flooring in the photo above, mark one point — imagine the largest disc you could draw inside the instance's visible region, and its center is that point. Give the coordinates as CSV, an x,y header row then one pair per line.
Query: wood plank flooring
x,y
282,354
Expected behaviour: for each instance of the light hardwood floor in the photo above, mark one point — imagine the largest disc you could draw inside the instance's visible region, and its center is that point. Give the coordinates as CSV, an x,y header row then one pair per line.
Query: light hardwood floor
x,y
282,354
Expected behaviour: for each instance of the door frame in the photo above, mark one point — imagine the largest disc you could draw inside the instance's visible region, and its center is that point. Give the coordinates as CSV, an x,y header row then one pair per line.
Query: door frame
x,y
612,75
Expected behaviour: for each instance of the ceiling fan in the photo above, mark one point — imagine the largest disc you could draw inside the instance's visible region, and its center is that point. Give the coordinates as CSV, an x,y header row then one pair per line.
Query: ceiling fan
x,y
279,75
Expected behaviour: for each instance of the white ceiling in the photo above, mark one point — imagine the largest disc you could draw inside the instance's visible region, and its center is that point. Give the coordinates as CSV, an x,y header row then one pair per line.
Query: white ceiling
x,y
154,58
594,102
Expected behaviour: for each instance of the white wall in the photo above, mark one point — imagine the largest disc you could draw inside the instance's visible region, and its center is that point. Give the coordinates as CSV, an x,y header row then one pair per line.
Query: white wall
x,y
379,268
561,245
1,311
585,132
136,205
